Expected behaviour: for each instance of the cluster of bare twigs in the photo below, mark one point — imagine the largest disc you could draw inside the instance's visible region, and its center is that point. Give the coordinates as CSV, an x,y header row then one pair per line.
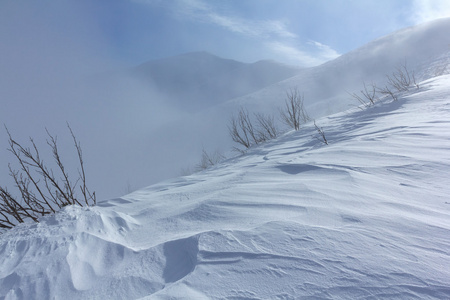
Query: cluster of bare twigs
x,y
368,95
401,80
293,114
209,159
41,191
320,134
243,131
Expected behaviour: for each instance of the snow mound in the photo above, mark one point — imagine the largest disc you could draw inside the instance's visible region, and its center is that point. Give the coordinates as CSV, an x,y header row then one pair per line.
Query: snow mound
x,y
365,217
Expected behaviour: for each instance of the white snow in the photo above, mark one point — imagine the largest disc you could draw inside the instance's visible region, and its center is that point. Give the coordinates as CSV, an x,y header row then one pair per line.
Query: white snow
x,y
365,217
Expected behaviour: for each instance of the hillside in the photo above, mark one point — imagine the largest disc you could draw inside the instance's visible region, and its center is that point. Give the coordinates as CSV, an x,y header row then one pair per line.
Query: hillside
x,y
134,135
325,88
364,217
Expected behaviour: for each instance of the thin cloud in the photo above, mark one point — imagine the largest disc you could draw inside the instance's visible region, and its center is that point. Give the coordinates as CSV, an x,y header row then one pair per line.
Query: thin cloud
x,y
427,10
274,35
326,52
201,11
319,53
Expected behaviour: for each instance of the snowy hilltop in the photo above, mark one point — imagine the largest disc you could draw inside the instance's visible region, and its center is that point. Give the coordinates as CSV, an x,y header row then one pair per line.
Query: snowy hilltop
x,y
365,217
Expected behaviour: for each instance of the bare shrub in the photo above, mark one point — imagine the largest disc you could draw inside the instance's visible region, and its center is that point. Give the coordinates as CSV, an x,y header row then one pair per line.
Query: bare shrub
x,y
294,114
266,127
321,134
368,95
242,130
248,131
41,192
209,159
402,78
387,91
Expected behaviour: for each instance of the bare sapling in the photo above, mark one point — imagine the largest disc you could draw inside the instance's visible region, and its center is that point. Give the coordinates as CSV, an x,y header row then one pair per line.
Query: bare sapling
x,y
248,131
209,159
242,130
320,134
293,113
387,91
266,129
40,191
402,78
368,95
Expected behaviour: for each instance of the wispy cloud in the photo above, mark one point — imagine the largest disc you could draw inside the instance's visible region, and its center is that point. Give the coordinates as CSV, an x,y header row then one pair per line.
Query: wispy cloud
x,y
427,10
274,35
319,53
325,52
202,11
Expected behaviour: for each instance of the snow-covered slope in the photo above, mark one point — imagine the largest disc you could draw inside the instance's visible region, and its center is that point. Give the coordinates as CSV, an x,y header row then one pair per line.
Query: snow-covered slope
x,y
366,217
326,87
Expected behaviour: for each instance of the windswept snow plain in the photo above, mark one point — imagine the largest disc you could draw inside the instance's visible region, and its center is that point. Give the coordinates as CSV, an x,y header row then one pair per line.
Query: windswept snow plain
x,y
365,217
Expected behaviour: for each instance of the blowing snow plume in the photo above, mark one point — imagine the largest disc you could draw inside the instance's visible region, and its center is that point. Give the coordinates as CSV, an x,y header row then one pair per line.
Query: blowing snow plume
x,y
327,88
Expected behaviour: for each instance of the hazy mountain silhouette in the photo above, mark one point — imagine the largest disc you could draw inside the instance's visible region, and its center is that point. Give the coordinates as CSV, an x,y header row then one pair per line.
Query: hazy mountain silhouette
x,y
198,80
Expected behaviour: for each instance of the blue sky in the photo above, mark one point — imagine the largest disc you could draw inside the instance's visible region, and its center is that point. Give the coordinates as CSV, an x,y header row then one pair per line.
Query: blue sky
x,y
300,32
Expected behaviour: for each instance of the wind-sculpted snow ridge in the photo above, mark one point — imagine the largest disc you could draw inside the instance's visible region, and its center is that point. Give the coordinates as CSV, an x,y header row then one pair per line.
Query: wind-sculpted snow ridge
x,y
366,217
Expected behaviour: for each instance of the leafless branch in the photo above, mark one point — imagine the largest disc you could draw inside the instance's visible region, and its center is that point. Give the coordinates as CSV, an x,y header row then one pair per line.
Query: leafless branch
x,y
387,91
368,95
41,193
294,113
321,134
87,195
402,78
267,128
208,160
242,130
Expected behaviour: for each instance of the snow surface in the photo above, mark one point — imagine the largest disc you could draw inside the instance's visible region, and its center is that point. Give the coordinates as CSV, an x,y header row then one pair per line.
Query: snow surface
x,y
366,217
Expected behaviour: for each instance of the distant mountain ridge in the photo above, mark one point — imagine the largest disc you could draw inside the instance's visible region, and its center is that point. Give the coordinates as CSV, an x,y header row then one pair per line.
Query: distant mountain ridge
x,y
198,80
